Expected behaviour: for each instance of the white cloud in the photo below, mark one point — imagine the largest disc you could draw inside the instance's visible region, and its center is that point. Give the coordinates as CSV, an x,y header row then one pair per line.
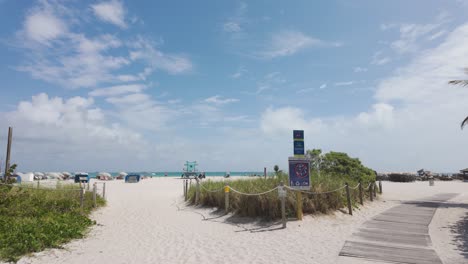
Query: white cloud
x,y
270,81
286,43
43,26
112,12
218,100
68,134
118,90
238,73
234,24
144,49
360,69
77,62
344,83
413,124
323,86
231,27
410,35
379,59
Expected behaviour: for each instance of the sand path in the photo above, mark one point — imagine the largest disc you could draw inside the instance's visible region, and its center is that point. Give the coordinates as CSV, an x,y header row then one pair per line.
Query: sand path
x,y
148,223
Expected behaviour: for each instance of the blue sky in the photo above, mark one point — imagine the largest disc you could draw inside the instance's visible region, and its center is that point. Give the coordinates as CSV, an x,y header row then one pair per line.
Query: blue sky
x,y
133,85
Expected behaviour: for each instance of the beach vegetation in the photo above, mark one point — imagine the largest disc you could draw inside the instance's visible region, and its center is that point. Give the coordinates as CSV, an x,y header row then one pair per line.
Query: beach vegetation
x,y
401,177
32,220
325,195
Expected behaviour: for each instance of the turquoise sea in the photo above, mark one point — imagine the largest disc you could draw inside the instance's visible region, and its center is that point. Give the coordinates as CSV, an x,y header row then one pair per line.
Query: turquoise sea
x,y
178,174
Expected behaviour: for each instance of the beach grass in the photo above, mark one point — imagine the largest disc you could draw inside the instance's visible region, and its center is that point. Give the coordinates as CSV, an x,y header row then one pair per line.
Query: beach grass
x,y
32,220
268,206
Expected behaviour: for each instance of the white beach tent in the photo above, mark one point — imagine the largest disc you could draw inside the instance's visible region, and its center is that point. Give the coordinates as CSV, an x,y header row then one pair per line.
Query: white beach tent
x,y
122,175
25,177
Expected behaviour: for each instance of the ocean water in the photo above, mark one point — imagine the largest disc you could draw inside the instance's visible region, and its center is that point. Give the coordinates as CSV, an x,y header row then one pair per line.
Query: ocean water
x,y
178,174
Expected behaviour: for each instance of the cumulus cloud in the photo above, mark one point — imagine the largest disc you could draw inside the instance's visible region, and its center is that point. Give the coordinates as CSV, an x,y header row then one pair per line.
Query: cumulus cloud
x,y
42,26
413,124
68,134
111,12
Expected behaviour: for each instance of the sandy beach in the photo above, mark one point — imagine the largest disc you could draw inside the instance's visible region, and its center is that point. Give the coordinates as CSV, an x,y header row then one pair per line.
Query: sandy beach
x,y
148,222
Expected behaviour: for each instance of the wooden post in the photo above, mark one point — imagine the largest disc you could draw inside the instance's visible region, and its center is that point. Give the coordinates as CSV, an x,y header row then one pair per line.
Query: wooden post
x,y
380,187
104,190
183,187
7,160
94,194
371,195
38,181
226,198
348,198
186,189
283,205
299,205
88,186
360,193
374,191
82,191
264,172
197,192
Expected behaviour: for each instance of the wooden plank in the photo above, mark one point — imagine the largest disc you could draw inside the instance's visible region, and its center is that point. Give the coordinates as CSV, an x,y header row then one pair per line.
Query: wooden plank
x,y
390,254
400,234
405,240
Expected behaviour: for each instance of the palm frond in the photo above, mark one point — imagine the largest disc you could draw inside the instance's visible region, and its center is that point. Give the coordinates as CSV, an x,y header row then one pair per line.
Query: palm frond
x,y
459,82
464,122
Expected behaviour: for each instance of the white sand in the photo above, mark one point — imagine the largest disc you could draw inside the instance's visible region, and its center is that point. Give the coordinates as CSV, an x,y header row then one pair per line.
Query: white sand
x,y
148,222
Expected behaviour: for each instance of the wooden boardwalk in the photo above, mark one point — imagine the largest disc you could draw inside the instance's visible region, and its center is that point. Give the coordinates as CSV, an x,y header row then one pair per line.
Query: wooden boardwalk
x,y
399,235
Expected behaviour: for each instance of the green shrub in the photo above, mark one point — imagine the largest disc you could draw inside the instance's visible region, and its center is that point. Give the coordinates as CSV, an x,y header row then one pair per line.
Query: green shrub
x,y
32,220
268,206
399,177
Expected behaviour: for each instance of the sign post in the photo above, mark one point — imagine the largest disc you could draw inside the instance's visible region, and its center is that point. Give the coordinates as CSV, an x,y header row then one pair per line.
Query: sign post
x,y
299,169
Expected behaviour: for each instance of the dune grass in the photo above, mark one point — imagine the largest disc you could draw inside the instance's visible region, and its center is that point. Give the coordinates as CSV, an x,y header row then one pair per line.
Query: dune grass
x,y
32,220
268,206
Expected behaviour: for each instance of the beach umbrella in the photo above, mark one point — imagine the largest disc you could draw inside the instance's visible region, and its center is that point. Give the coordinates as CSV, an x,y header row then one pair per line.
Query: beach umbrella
x,y
104,176
54,175
66,175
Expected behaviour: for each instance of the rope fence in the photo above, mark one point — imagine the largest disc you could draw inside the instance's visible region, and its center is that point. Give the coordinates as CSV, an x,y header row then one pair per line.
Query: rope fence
x,y
282,194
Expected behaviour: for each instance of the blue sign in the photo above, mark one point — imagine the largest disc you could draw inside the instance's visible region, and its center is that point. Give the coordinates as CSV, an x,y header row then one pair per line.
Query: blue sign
x,y
298,134
298,147
299,173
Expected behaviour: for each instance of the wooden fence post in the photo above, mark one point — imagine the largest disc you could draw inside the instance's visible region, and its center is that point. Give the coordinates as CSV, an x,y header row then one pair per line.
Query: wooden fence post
x,y
82,191
197,192
348,198
374,191
226,198
186,189
94,195
360,193
104,190
283,204
6,176
299,205
371,195
380,187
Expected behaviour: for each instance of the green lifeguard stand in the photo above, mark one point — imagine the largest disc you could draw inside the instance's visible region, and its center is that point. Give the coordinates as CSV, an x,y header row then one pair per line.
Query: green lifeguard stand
x,y
190,169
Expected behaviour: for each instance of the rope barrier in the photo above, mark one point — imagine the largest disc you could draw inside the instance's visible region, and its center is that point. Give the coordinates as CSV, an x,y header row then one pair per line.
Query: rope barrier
x,y
212,191
368,186
308,192
354,188
35,188
252,194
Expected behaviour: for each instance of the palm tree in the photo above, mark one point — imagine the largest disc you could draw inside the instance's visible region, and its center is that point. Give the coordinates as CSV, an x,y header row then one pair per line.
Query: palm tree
x,y
462,83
